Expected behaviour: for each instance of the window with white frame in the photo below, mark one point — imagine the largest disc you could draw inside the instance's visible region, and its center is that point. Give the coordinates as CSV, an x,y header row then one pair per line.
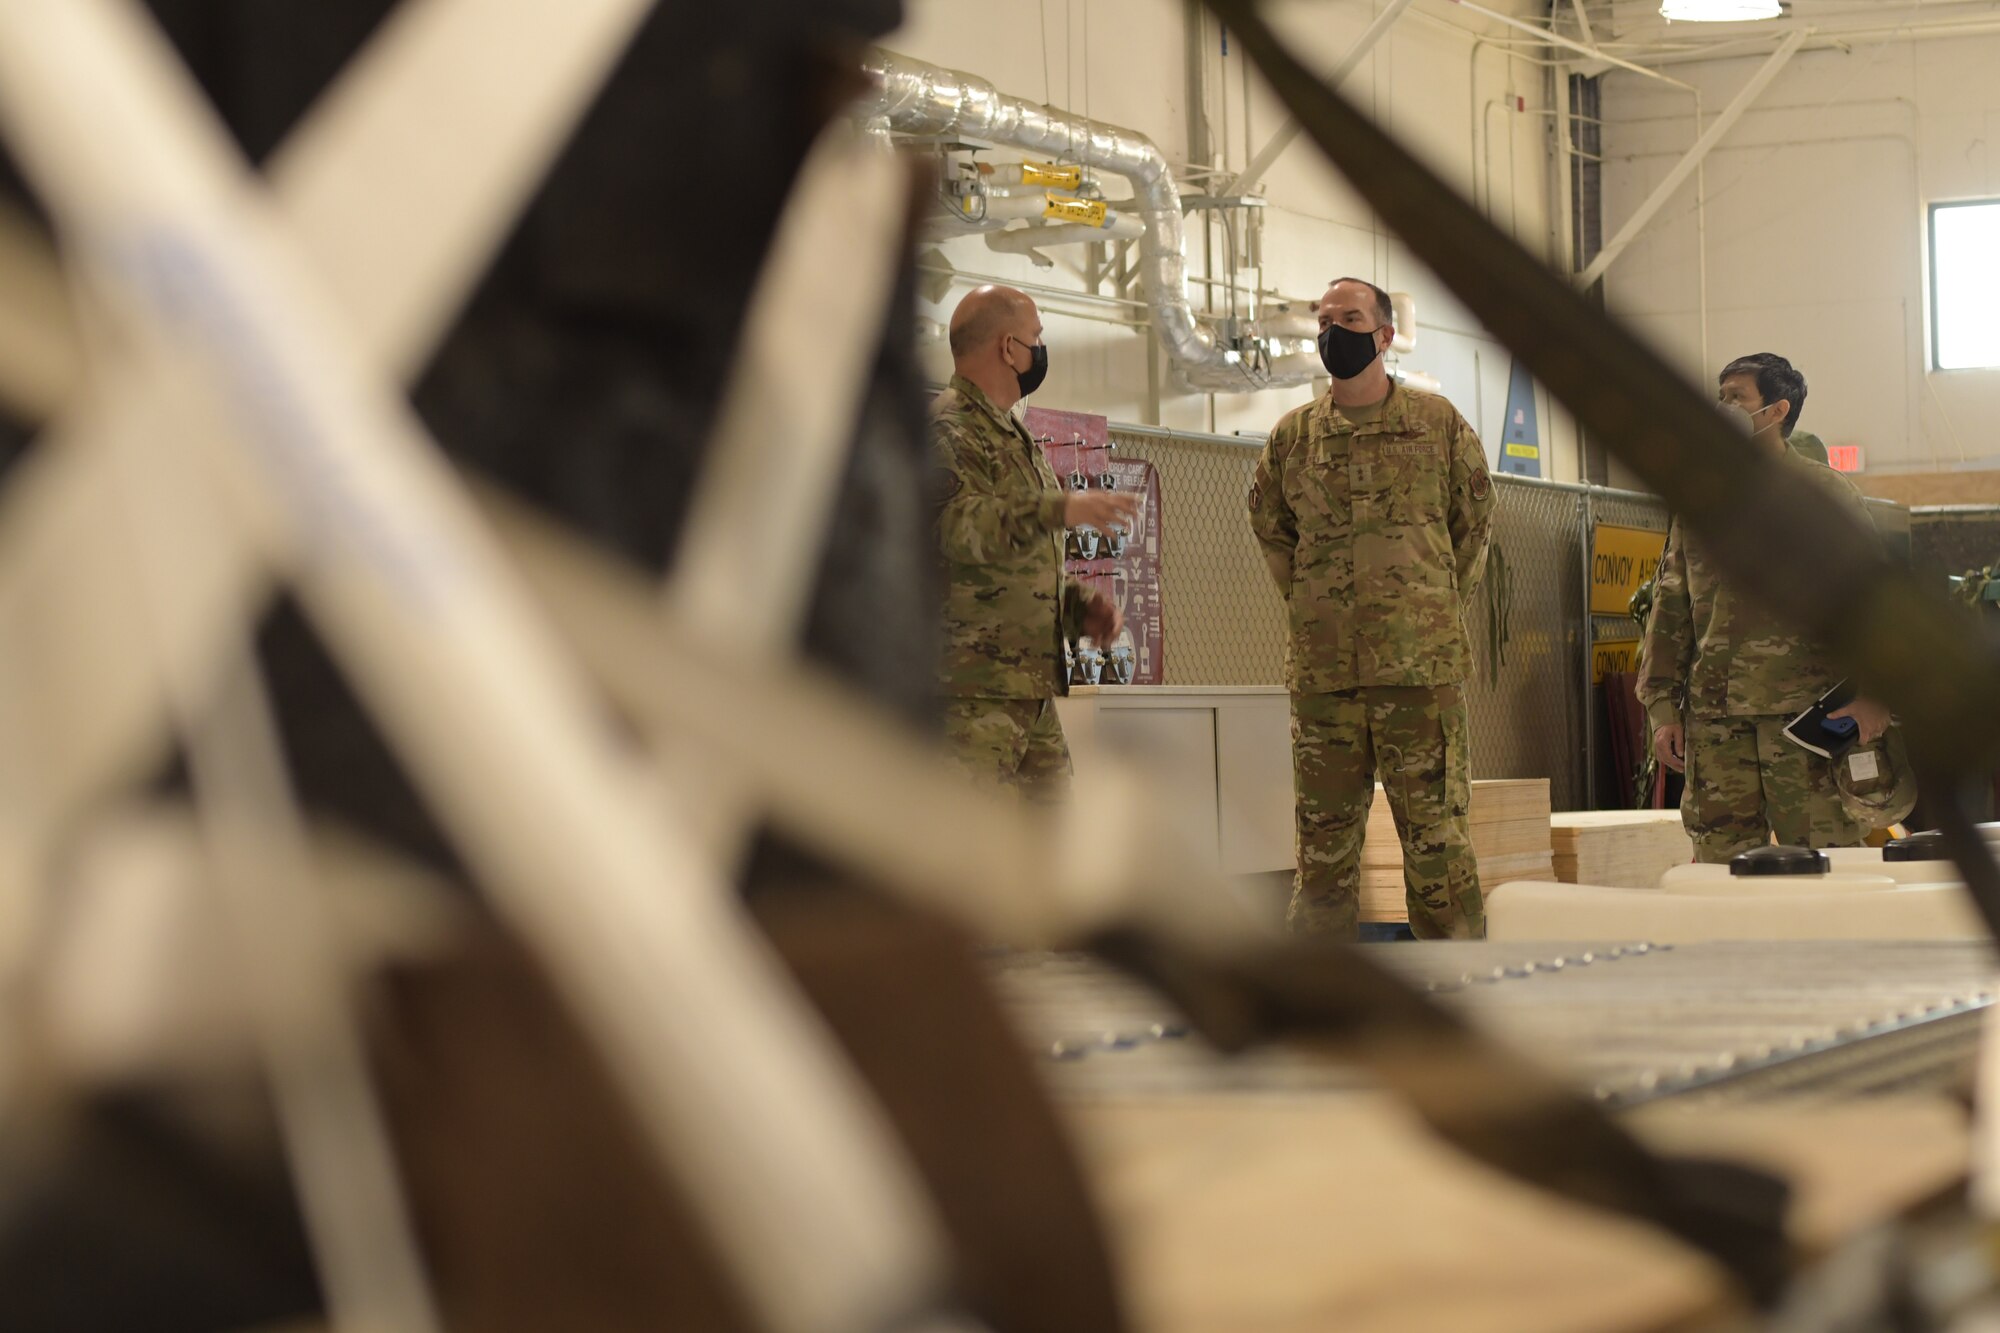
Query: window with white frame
x,y
1965,284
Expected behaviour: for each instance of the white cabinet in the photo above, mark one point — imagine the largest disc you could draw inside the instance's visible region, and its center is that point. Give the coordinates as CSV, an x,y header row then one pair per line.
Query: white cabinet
x,y
1220,760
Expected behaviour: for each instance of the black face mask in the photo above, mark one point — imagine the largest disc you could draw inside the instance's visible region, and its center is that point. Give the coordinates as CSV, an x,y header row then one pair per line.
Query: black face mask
x,y
1037,371
1346,352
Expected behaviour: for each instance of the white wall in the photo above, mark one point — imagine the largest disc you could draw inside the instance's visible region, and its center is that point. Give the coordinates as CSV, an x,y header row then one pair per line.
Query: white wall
x,y
1428,83
1816,208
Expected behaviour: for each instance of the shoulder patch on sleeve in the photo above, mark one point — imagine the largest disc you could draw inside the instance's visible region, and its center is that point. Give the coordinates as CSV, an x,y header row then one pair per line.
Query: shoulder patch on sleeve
x,y
1480,484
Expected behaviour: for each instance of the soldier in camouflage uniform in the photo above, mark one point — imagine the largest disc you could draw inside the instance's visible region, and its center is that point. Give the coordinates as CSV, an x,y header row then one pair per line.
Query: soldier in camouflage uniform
x,y
1009,604
1720,676
1373,506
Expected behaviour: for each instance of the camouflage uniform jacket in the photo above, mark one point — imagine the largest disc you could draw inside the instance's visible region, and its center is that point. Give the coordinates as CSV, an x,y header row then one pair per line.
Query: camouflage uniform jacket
x,y
1377,535
1008,603
1807,445
1711,650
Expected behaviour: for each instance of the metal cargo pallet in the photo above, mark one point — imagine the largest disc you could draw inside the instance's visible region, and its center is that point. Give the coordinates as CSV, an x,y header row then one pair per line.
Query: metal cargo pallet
x,y
1631,1022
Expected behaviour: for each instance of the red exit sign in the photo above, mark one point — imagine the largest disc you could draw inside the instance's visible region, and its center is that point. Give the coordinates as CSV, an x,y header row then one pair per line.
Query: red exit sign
x,y
1844,457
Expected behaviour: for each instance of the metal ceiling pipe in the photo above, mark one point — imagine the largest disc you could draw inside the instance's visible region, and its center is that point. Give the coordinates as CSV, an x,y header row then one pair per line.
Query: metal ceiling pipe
x,y
1031,241
915,97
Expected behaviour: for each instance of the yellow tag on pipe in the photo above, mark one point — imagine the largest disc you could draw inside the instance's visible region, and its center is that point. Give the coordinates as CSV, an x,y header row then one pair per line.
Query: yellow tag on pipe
x,y
1043,173
1090,212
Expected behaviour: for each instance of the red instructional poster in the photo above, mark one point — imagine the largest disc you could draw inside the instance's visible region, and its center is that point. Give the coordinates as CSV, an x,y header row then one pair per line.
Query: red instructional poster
x,y
1123,566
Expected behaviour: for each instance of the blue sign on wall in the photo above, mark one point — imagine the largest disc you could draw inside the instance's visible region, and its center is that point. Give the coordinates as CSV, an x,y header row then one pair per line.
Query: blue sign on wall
x,y
1521,437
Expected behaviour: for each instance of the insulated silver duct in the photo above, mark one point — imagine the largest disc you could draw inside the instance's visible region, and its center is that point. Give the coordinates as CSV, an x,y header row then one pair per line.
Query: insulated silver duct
x,y
919,98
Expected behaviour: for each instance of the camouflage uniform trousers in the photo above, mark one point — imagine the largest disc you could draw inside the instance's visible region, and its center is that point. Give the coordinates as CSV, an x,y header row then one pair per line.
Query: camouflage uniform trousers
x,y
1017,743
1746,782
1415,738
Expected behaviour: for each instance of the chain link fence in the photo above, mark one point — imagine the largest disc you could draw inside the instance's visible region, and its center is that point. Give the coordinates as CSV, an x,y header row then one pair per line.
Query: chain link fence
x,y
1527,694
1223,622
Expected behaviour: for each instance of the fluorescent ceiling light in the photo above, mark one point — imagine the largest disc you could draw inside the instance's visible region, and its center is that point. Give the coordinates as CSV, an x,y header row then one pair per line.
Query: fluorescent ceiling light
x,y
1719,11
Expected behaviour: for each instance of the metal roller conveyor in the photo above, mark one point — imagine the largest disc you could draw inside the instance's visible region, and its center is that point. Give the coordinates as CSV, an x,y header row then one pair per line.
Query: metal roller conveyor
x,y
1632,1022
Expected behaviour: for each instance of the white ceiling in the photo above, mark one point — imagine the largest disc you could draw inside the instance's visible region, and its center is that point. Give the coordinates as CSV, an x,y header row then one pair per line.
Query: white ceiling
x,y
1633,29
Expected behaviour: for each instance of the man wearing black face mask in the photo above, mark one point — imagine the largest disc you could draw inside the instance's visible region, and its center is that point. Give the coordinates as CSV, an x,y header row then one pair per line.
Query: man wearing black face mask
x,y
1008,603
1373,506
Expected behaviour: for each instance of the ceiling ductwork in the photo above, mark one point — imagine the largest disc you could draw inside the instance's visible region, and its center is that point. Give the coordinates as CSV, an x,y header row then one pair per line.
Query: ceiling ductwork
x,y
916,98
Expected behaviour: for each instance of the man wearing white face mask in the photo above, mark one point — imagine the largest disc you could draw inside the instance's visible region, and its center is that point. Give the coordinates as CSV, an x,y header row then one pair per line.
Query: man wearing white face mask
x,y
1801,443
1720,676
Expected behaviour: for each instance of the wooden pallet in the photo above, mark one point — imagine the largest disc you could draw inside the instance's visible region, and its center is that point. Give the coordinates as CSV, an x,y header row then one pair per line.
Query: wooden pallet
x,y
1627,849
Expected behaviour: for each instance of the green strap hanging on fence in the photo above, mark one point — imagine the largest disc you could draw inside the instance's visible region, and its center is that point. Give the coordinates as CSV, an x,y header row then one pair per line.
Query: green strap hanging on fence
x,y
1499,611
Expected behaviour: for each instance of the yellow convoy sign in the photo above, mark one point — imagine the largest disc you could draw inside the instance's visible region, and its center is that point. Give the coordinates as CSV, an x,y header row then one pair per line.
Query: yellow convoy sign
x,y
1620,560
1606,658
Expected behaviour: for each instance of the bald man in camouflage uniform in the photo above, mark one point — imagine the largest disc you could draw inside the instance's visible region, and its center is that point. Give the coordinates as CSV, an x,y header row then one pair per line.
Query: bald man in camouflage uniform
x,y
1720,676
1373,506
1009,604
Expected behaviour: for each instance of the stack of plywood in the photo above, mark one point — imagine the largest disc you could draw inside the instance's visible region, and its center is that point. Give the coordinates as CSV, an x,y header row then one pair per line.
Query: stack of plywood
x,y
1510,838
1624,849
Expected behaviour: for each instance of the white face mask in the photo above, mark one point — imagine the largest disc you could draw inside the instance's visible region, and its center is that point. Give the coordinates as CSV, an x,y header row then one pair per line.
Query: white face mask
x,y
1740,418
